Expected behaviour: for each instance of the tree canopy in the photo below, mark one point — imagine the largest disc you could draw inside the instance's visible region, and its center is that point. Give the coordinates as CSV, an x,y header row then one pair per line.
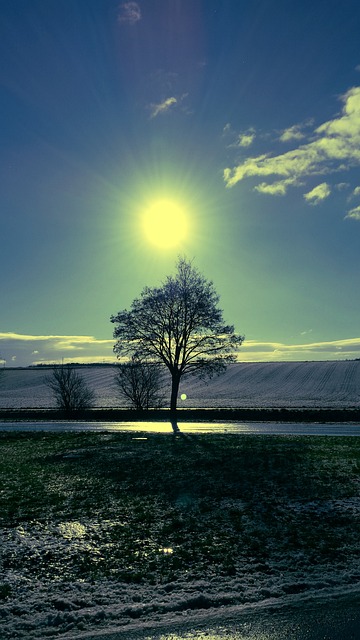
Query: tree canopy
x,y
180,325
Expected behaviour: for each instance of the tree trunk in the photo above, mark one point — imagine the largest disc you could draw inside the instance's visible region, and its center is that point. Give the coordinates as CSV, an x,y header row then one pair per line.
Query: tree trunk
x,y
175,382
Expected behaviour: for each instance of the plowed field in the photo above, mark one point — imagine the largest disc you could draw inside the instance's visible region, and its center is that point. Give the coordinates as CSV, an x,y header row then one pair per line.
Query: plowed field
x,y
267,384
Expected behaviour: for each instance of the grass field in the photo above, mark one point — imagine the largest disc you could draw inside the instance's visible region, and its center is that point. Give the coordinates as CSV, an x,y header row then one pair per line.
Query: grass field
x,y
107,528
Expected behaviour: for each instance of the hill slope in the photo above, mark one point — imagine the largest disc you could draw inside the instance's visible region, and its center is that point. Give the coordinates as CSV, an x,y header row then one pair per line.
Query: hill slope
x,y
266,384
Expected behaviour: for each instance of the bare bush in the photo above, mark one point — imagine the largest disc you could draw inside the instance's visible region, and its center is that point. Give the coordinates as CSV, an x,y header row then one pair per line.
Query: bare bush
x,y
69,389
141,383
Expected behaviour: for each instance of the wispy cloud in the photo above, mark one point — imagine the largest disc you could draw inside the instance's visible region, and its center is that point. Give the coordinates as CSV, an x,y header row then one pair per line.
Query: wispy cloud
x,y
242,139
24,350
296,131
162,107
334,146
246,138
129,13
318,194
292,133
354,214
252,351
278,188
356,191
342,186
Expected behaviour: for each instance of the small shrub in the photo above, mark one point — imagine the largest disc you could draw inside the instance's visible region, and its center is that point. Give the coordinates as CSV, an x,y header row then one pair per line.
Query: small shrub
x,y
69,389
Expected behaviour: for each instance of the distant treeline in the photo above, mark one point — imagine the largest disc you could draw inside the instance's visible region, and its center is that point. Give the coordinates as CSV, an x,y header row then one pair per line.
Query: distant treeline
x,y
113,364
69,364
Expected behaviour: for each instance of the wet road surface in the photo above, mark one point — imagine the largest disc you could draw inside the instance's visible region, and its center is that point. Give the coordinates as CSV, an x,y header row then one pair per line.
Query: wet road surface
x,y
275,428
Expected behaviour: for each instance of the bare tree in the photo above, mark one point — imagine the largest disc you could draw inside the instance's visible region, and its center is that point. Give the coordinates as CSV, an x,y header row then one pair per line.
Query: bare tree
x,y
69,389
179,325
141,383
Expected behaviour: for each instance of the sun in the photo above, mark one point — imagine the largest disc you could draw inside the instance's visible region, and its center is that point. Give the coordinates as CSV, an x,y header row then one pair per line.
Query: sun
x,y
165,224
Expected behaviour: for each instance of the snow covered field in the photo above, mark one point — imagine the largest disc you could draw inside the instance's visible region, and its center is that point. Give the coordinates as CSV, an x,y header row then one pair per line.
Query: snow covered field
x,y
266,384
123,533
82,609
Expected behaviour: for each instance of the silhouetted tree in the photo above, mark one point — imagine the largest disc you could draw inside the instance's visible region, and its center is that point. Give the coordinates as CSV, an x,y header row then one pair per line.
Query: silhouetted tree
x,y
180,325
69,389
141,383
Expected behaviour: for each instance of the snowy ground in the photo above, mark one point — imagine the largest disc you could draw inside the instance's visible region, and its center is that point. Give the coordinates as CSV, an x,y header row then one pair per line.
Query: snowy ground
x,y
280,560
267,384
60,609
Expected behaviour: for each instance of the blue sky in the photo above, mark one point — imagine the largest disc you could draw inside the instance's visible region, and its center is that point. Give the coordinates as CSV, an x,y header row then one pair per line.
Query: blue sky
x,y
244,114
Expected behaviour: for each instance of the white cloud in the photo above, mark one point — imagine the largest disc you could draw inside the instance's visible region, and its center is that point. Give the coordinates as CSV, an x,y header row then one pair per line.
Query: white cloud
x,y
276,188
252,351
162,107
292,133
246,138
354,214
356,191
242,139
318,194
296,131
129,13
170,103
54,348
66,340
18,350
334,146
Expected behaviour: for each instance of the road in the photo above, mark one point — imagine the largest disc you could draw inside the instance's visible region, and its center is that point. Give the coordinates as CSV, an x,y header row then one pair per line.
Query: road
x,y
274,428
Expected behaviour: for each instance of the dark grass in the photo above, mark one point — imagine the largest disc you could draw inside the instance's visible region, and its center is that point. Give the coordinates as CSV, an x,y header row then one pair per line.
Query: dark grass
x,y
219,503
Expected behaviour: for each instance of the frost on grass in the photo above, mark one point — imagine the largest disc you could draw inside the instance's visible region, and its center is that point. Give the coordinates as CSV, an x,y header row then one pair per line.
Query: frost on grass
x,y
122,535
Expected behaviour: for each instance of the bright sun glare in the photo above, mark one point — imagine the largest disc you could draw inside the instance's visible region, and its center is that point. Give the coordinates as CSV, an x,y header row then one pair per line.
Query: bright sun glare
x,y
165,224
